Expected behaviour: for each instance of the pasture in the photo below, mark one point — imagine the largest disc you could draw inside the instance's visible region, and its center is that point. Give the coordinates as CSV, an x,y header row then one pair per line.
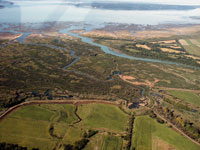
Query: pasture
x,y
104,142
103,116
30,125
149,134
192,46
186,96
49,126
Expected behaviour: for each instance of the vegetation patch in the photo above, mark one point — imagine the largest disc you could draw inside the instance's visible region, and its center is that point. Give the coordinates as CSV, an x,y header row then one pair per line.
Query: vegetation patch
x,y
146,128
103,116
111,143
186,96
192,46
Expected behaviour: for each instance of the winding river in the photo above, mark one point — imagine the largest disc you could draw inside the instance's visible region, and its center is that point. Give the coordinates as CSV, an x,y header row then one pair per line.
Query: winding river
x,y
26,34
107,50
104,48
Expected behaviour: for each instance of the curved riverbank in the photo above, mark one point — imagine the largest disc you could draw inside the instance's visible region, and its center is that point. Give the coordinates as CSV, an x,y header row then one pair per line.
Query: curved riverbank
x,y
107,50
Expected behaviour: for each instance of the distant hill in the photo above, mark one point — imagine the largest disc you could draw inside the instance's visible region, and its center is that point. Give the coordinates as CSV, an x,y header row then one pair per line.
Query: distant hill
x,y
134,6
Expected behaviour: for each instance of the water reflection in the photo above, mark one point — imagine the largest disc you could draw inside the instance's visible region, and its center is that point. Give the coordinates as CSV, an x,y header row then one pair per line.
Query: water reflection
x,y
45,11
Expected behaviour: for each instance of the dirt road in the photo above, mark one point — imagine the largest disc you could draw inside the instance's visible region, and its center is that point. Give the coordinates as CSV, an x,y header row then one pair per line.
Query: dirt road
x,y
177,129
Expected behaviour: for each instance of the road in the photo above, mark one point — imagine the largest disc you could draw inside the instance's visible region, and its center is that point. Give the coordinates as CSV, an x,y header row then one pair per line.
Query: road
x,y
82,102
177,129
178,89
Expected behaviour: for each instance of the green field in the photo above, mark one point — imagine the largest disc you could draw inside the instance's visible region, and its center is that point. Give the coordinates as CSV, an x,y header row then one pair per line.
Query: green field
x,y
31,126
112,143
103,116
52,113
189,97
192,48
105,142
148,132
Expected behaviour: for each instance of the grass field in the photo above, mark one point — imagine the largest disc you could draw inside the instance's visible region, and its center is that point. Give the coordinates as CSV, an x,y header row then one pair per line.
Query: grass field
x,y
112,143
148,133
186,96
30,125
53,113
105,142
192,46
26,132
103,116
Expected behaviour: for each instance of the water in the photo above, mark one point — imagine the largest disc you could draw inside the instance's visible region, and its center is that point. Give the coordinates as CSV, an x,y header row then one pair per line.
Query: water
x,y
107,50
45,11
50,11
26,34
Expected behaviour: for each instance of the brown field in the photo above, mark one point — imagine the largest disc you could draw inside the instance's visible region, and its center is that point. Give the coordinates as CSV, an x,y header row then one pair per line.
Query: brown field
x,y
184,42
193,57
186,30
152,34
173,46
146,83
143,46
145,34
195,42
64,36
9,36
77,31
168,42
33,36
159,144
99,33
127,77
170,50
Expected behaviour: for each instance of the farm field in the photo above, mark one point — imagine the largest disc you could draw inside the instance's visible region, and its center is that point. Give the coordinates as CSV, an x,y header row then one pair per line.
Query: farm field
x,y
170,49
97,75
192,46
149,134
186,96
103,116
105,142
47,126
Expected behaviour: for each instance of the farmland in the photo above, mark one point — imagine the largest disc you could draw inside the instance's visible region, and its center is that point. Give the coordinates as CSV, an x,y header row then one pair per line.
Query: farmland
x,y
148,132
189,97
192,46
39,72
45,127
169,49
103,116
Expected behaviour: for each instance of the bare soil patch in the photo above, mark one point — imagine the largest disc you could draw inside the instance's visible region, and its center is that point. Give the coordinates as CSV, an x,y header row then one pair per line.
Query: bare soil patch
x,y
184,42
170,50
77,31
159,144
143,46
193,57
195,42
168,42
146,83
9,36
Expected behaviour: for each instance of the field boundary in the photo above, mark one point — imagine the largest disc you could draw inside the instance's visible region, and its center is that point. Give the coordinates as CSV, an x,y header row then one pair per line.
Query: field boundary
x,y
176,129
73,102
178,89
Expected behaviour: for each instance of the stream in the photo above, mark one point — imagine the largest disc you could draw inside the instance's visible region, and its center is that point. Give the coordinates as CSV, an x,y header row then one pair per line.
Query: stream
x,y
107,50
104,48
26,34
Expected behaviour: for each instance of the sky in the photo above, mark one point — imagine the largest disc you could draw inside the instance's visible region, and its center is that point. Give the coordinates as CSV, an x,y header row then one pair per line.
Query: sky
x,y
179,2
176,2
